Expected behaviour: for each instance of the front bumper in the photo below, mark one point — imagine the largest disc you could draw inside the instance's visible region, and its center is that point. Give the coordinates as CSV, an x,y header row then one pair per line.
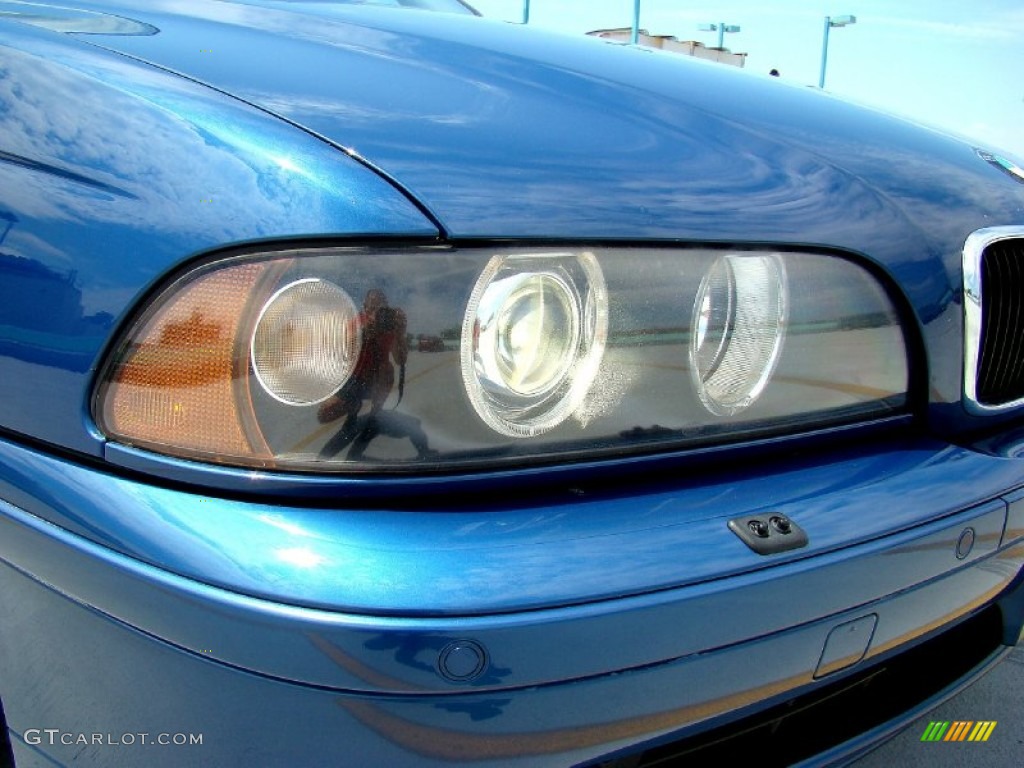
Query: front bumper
x,y
93,640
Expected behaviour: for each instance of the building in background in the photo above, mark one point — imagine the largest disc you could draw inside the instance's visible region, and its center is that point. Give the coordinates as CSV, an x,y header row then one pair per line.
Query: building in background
x,y
670,43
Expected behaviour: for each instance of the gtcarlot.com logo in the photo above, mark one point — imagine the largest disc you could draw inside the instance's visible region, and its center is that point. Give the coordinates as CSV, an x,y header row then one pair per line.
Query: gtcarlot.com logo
x,y
55,736
959,730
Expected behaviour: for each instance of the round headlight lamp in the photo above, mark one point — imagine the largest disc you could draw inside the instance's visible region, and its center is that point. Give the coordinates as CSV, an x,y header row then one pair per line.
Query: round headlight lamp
x,y
533,336
739,320
306,342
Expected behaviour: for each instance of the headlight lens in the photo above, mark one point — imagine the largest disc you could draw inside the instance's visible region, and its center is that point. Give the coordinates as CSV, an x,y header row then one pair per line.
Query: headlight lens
x,y
411,359
532,339
306,341
739,318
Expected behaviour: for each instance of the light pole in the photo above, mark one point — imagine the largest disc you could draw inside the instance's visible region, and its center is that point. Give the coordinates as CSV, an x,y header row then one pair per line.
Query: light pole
x,y
10,218
721,28
838,21
636,22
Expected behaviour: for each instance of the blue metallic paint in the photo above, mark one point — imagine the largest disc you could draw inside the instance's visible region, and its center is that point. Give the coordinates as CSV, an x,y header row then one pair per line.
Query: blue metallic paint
x,y
291,634
566,548
167,169
353,651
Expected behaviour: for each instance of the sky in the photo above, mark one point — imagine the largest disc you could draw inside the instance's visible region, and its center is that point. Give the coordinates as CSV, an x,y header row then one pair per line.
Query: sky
x,y
956,65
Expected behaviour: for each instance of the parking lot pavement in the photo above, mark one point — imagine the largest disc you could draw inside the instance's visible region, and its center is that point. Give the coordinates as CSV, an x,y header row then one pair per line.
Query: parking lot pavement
x,y
998,696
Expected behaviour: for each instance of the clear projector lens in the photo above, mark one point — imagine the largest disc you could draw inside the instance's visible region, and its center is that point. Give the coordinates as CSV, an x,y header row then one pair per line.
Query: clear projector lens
x,y
533,328
306,342
739,321
533,337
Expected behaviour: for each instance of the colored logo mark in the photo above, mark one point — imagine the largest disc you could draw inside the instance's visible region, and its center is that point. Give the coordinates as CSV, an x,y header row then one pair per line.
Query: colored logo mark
x,y
959,730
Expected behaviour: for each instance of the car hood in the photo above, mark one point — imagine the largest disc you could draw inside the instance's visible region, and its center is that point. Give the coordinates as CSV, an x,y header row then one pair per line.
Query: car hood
x,y
502,131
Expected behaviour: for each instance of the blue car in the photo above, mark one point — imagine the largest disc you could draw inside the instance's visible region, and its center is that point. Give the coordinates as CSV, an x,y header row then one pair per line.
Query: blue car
x,y
715,448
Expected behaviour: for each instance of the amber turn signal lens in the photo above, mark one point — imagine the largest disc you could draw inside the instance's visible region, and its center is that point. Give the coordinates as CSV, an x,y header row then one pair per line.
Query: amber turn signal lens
x,y
174,384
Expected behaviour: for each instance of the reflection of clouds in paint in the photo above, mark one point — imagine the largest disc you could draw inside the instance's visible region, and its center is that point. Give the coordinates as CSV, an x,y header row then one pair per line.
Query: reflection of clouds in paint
x,y
331,28
334,40
706,194
923,187
654,167
140,145
671,173
359,112
21,243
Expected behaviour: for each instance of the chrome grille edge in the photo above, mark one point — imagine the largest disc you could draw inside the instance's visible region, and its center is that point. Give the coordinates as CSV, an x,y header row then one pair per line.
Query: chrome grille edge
x,y
993,273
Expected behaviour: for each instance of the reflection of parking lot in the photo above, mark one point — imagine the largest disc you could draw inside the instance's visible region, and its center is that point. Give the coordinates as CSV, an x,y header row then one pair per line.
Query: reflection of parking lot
x,y
428,376
638,387
425,343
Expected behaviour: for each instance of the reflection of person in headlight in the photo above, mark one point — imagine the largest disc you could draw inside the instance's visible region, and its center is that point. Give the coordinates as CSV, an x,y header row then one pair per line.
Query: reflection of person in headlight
x,y
384,345
383,339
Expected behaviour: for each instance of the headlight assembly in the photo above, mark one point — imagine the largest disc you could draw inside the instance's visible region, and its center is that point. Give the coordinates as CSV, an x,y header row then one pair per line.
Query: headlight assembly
x,y
349,359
